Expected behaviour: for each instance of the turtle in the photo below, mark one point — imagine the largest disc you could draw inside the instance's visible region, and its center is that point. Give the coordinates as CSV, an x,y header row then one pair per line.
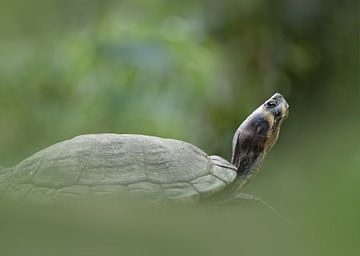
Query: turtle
x,y
108,165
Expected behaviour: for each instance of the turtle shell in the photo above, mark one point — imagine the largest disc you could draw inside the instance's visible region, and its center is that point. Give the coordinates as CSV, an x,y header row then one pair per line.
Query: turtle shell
x,y
117,165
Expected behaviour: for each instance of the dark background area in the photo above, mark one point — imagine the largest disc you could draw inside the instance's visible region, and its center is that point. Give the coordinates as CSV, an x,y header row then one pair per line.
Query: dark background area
x,y
193,70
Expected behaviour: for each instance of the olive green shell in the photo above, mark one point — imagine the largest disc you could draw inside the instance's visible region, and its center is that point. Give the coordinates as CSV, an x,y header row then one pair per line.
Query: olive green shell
x,y
102,165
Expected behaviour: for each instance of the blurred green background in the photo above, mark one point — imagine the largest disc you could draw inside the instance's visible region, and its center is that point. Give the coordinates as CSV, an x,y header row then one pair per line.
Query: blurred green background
x,y
193,70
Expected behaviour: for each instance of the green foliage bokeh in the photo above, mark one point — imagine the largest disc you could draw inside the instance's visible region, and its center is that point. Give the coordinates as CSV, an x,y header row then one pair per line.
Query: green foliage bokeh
x,y
193,70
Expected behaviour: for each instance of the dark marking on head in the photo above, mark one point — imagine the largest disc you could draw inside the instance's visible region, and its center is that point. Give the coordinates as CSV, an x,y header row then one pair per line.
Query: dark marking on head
x,y
245,144
244,165
262,128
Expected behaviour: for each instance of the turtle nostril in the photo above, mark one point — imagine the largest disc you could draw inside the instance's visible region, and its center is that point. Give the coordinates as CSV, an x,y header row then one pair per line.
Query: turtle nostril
x,y
278,97
277,113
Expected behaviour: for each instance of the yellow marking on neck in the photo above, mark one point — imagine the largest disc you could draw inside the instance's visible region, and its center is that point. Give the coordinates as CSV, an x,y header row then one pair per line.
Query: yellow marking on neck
x,y
272,135
283,109
270,118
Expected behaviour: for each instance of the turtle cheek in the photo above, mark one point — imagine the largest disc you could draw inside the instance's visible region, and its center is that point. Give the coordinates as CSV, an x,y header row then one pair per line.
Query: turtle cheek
x,y
263,128
246,144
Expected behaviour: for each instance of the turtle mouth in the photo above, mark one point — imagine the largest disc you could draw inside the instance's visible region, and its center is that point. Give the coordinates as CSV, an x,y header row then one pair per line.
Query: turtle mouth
x,y
286,106
284,109
286,114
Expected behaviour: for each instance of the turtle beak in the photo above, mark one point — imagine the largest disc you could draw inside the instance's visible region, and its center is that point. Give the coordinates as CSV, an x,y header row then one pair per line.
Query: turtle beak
x,y
278,97
284,105
285,109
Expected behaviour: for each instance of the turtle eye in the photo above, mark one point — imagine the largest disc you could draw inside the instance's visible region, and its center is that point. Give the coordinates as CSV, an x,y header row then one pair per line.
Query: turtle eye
x,y
271,104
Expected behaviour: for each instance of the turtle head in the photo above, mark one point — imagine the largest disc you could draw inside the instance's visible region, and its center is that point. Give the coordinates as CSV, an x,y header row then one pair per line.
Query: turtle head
x,y
258,134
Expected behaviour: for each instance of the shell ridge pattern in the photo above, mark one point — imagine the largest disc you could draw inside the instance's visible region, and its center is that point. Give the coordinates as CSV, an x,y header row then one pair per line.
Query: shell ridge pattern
x,y
145,158
85,165
64,164
208,185
161,162
147,169
37,169
191,161
42,158
116,161
222,179
192,185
